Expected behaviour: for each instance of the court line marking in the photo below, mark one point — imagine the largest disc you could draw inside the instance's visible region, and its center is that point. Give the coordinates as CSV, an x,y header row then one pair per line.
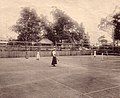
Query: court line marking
x,y
71,88
103,89
90,92
52,78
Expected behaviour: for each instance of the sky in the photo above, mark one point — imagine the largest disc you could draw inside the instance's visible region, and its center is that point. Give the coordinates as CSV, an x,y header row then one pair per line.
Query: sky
x,y
89,12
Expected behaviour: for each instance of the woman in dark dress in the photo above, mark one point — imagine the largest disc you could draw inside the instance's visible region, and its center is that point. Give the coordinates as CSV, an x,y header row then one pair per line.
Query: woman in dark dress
x,y
54,59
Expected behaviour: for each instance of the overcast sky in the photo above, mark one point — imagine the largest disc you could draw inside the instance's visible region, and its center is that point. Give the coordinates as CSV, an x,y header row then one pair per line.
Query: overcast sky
x,y
87,11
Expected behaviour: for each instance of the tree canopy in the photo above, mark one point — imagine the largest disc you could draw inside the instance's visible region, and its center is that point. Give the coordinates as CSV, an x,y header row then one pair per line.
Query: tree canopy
x,y
116,23
65,27
111,25
29,26
102,40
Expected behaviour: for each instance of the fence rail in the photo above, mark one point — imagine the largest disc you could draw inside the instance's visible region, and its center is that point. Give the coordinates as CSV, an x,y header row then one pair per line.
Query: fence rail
x,y
13,54
10,51
34,48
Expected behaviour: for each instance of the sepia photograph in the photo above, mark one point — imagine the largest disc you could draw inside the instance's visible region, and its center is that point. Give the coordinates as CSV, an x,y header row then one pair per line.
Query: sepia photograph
x,y
59,48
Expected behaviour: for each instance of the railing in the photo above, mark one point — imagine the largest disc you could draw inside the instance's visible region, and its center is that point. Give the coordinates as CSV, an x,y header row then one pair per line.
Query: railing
x,y
12,51
35,48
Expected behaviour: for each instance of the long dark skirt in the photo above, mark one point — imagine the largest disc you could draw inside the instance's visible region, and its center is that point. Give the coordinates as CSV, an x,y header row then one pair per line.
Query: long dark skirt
x,y
54,60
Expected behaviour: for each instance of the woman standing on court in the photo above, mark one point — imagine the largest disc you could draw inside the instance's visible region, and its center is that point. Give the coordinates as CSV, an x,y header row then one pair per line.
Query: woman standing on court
x,y
38,56
94,53
54,59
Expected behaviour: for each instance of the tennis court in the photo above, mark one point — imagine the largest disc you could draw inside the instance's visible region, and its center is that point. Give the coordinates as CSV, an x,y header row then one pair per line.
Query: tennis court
x,y
74,77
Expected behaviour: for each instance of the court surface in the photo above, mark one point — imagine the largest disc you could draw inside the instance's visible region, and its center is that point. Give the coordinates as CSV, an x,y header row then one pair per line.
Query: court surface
x,y
74,77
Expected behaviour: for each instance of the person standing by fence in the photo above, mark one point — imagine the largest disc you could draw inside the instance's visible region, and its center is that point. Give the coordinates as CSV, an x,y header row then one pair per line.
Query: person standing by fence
x,y
94,53
26,54
54,58
38,56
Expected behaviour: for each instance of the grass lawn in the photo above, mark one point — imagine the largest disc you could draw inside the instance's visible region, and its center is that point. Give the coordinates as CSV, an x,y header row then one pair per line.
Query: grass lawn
x,y
74,77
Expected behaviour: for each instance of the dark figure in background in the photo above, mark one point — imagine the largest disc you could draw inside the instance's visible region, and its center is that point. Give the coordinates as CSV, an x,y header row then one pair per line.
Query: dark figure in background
x,y
26,54
54,59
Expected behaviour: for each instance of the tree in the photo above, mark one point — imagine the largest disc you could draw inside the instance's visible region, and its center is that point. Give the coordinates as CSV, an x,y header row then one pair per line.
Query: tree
x,y
102,40
65,28
29,25
50,34
116,23
111,25
86,41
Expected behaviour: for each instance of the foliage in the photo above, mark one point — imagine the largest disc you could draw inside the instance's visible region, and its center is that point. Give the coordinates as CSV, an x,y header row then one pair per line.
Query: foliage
x,y
32,28
29,25
116,23
102,40
111,25
86,41
65,28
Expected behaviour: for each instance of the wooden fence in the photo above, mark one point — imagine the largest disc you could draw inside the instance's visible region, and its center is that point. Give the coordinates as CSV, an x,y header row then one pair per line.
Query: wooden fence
x,y
16,54
21,51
